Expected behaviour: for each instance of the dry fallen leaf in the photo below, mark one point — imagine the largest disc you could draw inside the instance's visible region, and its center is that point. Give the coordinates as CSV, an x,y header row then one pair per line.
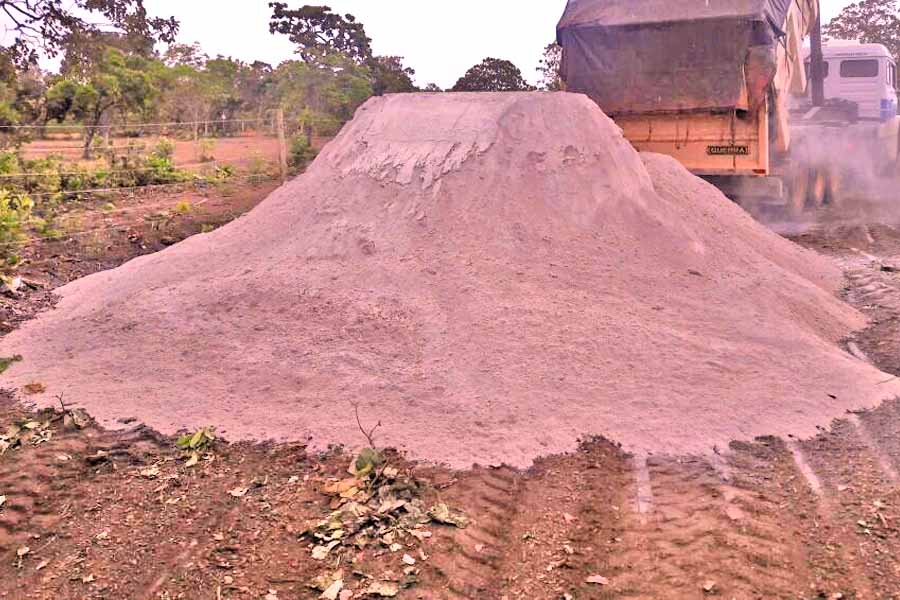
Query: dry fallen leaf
x,y
193,459
35,388
343,487
597,580
321,552
239,492
42,565
150,473
345,595
384,589
22,551
447,516
420,535
332,591
569,518
2,500
87,578
409,560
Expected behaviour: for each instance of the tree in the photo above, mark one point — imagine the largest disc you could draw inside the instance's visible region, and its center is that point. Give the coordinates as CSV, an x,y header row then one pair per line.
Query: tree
x,y
83,50
319,32
493,75
118,82
432,87
549,68
191,55
37,26
390,76
319,98
869,21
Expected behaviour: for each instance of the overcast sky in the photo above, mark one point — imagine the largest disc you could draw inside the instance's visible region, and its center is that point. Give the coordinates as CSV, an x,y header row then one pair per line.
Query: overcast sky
x,y
440,39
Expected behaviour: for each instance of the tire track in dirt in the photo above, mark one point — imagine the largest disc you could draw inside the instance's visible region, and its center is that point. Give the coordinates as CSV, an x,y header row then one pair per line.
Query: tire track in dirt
x,y
45,488
467,563
537,534
707,536
859,513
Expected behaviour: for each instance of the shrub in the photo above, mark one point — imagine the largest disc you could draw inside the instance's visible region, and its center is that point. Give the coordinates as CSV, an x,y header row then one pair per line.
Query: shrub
x,y
45,229
206,150
301,154
165,148
161,170
15,211
224,172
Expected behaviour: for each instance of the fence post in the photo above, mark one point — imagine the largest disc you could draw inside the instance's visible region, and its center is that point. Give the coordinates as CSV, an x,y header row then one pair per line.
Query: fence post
x,y
282,144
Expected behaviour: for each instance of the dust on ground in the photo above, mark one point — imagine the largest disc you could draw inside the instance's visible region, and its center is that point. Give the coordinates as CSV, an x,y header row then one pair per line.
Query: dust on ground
x,y
465,267
752,525
120,514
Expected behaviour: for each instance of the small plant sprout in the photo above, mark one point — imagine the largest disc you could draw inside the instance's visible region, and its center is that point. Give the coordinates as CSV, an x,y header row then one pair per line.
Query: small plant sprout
x,y
195,444
369,458
6,361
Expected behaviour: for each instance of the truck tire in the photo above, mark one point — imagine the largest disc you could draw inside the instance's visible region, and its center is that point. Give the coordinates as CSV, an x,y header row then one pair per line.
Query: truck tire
x,y
798,192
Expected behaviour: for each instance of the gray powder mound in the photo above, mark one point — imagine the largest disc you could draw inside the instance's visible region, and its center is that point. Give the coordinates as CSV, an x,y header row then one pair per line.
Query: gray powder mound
x,y
491,276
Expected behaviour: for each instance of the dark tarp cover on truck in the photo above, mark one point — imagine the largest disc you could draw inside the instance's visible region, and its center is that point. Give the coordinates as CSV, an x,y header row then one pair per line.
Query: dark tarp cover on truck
x,y
639,56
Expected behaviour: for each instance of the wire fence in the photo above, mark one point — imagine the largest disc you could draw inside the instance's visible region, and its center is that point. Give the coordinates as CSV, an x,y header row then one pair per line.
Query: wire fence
x,y
252,151
154,186
139,126
255,154
180,186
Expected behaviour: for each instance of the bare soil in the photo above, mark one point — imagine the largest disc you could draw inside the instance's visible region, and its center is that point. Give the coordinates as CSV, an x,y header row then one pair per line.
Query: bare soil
x,y
769,518
489,293
239,151
751,525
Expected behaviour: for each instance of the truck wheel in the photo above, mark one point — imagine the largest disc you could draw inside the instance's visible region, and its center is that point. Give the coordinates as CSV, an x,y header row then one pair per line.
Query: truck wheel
x,y
819,188
799,191
834,189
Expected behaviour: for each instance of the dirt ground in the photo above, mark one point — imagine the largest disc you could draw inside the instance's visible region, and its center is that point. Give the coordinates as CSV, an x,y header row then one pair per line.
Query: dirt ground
x,y
238,151
92,514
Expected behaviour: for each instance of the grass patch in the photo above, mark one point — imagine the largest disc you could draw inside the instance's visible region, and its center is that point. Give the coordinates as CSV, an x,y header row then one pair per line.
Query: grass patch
x,y
5,362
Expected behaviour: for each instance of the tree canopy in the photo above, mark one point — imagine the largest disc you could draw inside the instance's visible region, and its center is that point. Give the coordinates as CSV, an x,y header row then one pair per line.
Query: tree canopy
x,y
118,81
37,26
549,68
319,32
869,21
493,75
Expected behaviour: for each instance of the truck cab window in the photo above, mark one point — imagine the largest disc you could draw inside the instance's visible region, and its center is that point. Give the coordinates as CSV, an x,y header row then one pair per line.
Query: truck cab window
x,y
859,68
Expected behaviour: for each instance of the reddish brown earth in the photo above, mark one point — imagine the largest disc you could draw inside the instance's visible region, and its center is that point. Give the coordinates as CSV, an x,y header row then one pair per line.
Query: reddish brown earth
x,y
763,533
768,518
489,282
237,151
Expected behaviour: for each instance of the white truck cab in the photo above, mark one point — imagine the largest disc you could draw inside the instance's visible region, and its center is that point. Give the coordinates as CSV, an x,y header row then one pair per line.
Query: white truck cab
x,y
865,74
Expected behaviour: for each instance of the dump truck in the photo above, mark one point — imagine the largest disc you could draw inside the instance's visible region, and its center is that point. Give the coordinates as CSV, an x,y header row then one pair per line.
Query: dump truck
x,y
724,87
